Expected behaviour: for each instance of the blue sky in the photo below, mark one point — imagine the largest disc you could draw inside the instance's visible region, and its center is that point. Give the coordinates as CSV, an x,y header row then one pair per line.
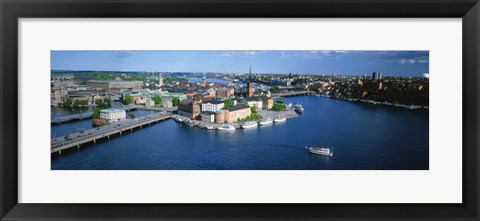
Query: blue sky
x,y
390,63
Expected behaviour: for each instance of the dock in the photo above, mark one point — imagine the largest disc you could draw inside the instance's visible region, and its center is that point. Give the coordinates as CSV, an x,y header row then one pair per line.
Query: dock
x,y
92,135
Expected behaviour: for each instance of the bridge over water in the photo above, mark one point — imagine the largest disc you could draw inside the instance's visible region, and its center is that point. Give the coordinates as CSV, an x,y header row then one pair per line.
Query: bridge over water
x,y
293,94
87,115
92,135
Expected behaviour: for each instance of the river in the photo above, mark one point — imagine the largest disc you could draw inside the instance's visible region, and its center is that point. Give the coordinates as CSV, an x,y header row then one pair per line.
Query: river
x,y
363,136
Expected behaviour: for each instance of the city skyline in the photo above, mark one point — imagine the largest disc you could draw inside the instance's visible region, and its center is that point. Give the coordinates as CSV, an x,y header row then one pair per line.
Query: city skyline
x,y
390,63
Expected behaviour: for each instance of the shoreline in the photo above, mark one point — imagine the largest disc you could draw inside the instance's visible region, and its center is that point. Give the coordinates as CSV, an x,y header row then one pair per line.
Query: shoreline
x,y
411,107
288,114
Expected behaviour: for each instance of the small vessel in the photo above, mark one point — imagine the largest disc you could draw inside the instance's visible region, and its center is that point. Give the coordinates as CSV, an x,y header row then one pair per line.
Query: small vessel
x,y
320,150
178,119
266,121
280,119
189,123
289,106
299,108
210,127
226,127
249,124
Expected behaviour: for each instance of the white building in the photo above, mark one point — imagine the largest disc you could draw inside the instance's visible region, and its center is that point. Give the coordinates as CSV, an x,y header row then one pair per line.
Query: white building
x,y
212,106
113,115
255,101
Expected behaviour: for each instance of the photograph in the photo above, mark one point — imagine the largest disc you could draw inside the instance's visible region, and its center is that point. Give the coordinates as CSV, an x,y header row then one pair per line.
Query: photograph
x,y
239,110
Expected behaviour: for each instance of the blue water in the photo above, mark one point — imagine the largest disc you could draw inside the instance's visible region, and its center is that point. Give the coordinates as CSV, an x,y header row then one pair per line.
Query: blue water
x,y
364,137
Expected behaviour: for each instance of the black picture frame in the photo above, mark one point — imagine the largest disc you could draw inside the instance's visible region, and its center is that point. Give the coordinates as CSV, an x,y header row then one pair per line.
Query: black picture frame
x,y
11,11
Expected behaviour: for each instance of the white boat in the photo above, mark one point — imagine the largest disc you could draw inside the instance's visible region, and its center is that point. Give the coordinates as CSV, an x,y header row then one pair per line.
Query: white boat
x,y
178,119
289,106
266,121
280,119
226,127
320,150
299,108
249,124
209,127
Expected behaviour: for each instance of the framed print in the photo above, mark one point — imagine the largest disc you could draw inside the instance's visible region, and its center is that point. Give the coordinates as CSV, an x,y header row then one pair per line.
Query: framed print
x,y
226,110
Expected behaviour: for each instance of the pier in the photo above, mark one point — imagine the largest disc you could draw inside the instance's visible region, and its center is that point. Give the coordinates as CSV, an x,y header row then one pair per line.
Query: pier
x,y
92,135
293,94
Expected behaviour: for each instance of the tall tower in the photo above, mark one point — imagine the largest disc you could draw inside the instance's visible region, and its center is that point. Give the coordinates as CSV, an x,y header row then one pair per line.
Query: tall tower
x,y
160,80
204,80
250,84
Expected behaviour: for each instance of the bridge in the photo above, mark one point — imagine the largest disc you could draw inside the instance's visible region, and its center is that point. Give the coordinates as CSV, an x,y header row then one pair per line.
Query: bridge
x,y
92,135
293,94
87,115
62,119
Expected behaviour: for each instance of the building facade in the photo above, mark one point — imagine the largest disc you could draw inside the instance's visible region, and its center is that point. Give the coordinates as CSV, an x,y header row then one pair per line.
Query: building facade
x,y
109,85
208,117
189,108
236,112
214,105
250,89
376,76
113,115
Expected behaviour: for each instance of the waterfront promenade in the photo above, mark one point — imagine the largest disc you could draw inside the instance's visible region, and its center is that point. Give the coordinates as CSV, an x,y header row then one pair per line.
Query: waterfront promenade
x,y
92,135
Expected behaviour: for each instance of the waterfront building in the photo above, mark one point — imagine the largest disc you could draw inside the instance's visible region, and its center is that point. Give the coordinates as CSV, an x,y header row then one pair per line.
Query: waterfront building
x,y
113,115
255,102
376,76
235,112
189,108
213,105
89,95
267,102
116,86
57,95
208,116
220,117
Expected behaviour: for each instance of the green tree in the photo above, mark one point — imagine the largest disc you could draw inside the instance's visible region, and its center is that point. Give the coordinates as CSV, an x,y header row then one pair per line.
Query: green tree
x,y
275,89
68,102
157,99
228,103
96,113
132,115
128,99
278,106
254,109
175,101
107,101
280,101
